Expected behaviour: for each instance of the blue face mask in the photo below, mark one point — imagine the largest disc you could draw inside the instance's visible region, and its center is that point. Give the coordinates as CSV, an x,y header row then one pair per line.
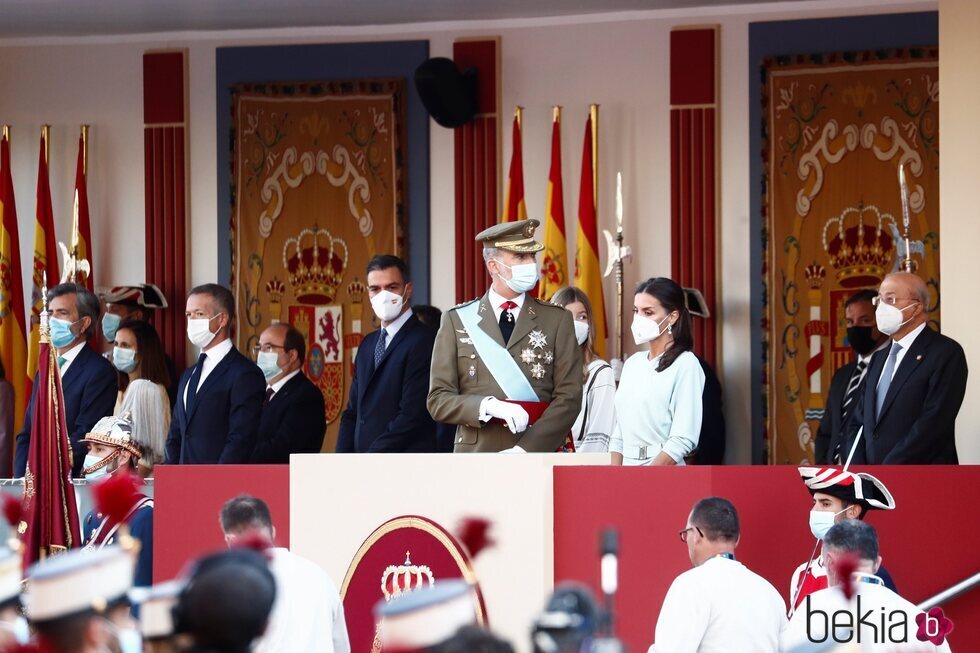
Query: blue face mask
x,y
61,335
110,324
523,277
268,362
124,359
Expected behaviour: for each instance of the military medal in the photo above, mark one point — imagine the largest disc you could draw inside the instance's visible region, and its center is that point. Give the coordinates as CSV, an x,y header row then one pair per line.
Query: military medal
x,y
528,356
538,339
537,371
549,357
472,371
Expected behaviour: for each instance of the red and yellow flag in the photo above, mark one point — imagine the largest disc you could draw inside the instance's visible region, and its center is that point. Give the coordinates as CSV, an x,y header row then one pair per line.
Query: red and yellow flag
x,y
514,207
554,259
13,325
49,497
588,272
45,253
84,227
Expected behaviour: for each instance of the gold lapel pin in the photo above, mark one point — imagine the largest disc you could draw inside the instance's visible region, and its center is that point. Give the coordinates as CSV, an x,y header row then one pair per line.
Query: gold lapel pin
x,y
919,357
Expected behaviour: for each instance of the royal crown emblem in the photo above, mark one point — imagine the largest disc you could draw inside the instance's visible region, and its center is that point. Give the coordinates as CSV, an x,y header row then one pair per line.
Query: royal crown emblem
x,y
860,245
815,275
404,578
275,289
316,262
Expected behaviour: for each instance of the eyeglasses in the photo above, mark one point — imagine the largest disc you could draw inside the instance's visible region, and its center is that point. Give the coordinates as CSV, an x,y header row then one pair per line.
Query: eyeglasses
x,y
683,534
891,300
265,348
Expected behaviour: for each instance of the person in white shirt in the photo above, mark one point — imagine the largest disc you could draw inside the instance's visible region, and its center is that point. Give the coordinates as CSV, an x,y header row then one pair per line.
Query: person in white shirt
x,y
874,619
593,427
719,605
307,615
659,401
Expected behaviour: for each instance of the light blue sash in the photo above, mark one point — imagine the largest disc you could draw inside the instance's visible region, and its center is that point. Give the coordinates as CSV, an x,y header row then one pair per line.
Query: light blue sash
x,y
503,368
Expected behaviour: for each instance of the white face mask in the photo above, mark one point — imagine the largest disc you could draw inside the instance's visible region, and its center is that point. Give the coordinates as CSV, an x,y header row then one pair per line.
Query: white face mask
x,y
889,318
91,460
387,305
199,331
523,277
821,522
644,329
581,331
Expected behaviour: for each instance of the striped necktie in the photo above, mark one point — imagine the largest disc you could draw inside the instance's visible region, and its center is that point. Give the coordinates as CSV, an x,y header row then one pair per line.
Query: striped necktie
x,y
379,350
850,397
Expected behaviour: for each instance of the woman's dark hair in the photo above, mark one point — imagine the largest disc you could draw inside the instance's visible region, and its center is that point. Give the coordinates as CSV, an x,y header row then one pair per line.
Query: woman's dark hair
x,y
153,362
671,297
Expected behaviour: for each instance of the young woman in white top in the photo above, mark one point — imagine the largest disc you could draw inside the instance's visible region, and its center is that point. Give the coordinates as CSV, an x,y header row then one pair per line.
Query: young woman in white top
x,y
658,404
593,427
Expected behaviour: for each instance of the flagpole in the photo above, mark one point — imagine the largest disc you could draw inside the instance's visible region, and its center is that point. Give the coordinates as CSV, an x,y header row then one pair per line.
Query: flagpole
x,y
594,114
85,150
46,136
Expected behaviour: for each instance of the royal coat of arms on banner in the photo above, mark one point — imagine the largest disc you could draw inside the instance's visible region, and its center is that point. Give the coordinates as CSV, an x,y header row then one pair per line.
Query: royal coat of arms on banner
x,y
317,190
836,129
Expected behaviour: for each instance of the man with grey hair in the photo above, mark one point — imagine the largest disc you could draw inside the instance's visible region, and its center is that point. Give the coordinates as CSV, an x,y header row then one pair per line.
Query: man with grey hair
x,y
506,368
88,381
874,619
913,388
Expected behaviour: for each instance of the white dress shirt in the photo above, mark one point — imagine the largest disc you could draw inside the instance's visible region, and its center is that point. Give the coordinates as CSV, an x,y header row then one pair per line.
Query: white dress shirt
x,y
658,411
214,356
307,615
69,356
396,326
277,386
720,607
876,600
496,300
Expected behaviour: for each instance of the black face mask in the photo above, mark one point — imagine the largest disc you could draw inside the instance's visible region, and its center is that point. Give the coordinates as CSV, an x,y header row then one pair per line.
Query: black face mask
x,y
860,340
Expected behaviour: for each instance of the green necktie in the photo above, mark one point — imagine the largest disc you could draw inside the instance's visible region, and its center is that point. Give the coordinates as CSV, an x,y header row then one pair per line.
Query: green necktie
x,y
61,361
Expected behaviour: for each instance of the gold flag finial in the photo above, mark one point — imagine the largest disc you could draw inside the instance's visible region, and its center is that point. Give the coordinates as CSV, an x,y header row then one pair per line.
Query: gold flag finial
x,y
519,115
6,132
44,329
46,136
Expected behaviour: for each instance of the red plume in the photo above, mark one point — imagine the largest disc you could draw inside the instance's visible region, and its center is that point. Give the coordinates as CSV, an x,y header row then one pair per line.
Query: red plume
x,y
845,566
13,510
115,496
472,534
256,541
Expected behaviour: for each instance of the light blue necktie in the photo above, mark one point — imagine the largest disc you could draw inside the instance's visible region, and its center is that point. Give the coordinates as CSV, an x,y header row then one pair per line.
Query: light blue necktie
x,y
886,378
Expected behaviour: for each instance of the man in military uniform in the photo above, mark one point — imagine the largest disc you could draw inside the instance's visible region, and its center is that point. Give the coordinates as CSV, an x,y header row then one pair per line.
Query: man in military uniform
x,y
506,368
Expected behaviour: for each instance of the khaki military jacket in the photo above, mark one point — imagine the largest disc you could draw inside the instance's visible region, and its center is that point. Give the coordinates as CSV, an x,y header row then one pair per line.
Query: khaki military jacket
x,y
544,346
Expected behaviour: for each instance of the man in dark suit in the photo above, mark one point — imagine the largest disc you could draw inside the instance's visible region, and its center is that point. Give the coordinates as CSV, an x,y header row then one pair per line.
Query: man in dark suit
x,y
219,400
914,387
293,418
846,386
386,411
88,381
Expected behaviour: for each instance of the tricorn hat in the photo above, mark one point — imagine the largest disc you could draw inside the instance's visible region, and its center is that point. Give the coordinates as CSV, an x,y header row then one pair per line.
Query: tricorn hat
x,y
861,488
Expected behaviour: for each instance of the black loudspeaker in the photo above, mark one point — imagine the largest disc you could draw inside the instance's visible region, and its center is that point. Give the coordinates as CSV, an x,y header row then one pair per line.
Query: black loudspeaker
x,y
448,94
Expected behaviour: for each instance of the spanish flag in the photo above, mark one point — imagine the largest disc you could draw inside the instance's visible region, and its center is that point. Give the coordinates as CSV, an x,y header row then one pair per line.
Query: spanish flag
x,y
514,207
554,261
84,227
588,273
45,253
13,326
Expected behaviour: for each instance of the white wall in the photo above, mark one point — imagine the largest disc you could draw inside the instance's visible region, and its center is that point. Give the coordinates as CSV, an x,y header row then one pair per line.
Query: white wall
x,y
618,60
959,197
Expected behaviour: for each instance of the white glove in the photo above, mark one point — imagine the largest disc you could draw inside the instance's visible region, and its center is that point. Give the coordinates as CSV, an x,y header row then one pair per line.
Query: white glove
x,y
617,368
513,415
515,449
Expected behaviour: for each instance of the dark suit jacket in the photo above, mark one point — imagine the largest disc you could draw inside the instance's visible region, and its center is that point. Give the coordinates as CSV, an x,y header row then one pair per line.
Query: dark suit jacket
x,y
140,527
711,443
223,424
294,421
89,387
386,411
832,429
917,421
